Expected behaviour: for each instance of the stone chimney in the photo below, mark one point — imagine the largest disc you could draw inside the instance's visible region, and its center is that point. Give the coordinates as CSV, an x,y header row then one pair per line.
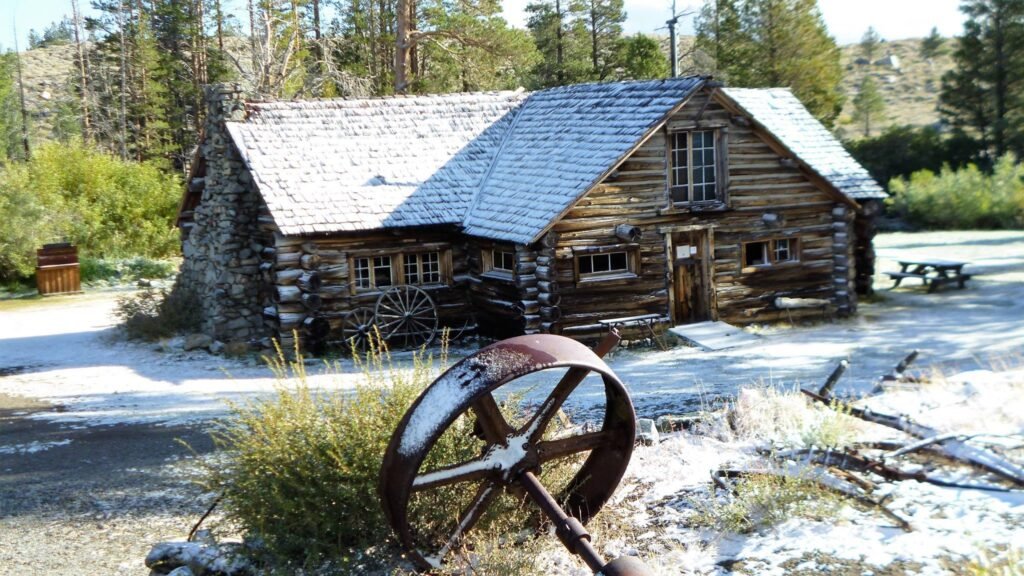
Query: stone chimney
x,y
221,252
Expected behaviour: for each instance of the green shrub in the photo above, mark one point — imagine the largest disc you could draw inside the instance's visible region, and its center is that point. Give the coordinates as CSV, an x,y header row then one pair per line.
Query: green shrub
x,y
125,269
107,207
962,199
300,470
151,314
902,150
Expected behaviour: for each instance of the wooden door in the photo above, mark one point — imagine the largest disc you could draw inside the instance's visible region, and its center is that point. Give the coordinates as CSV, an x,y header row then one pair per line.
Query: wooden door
x,y
691,283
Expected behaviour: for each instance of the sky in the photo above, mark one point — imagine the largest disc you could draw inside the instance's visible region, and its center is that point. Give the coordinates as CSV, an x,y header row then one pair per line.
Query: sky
x,y
846,19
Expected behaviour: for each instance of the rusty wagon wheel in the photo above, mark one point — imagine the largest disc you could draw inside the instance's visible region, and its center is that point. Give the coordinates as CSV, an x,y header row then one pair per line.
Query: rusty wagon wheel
x,y
357,328
406,316
510,457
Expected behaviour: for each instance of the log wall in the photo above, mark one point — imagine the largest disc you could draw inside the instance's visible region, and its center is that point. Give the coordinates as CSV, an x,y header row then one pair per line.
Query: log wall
x,y
760,180
309,288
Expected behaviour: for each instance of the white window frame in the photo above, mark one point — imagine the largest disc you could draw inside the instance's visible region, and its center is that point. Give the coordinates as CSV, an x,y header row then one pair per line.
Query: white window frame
x,y
771,247
687,174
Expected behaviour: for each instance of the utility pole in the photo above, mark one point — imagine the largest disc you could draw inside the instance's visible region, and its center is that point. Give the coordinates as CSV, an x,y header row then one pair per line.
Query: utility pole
x,y
673,56
21,89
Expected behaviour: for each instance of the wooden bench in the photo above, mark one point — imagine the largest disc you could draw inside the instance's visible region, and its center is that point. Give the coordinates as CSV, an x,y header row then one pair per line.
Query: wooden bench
x,y
790,304
644,320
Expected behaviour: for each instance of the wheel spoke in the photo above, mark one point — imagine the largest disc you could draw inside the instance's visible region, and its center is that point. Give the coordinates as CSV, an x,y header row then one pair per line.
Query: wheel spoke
x,y
492,423
553,449
472,470
553,403
470,516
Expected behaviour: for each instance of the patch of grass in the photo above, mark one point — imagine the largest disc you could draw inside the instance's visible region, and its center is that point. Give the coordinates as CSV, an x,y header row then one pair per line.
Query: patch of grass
x,y
995,563
122,270
787,419
765,500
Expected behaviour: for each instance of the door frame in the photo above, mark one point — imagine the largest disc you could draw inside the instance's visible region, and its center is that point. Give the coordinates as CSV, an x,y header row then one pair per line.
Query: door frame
x,y
707,267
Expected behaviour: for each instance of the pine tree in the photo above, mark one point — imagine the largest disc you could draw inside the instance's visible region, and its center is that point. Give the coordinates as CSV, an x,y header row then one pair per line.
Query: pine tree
x,y
931,45
869,44
775,43
868,106
564,57
603,22
981,95
643,59
10,124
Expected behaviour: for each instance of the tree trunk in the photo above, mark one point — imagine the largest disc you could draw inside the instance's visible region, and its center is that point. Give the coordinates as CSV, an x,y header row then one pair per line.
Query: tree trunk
x,y
83,76
402,46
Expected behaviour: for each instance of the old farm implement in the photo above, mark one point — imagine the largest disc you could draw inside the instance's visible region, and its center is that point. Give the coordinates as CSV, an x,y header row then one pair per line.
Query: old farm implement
x,y
511,456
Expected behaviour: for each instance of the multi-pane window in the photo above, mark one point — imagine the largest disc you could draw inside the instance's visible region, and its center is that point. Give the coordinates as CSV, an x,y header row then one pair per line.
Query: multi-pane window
x,y
372,272
503,261
693,167
770,252
423,268
606,264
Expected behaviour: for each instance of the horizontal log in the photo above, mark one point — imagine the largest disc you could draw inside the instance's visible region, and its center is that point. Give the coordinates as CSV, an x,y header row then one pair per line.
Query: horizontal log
x,y
550,313
309,281
310,261
549,299
544,273
317,328
286,294
287,277
312,302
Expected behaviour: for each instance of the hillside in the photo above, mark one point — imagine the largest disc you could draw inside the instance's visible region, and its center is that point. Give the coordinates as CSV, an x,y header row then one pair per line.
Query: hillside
x,y
911,91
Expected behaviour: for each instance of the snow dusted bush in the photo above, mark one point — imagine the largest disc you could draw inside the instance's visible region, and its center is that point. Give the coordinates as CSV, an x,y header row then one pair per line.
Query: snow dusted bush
x,y
300,472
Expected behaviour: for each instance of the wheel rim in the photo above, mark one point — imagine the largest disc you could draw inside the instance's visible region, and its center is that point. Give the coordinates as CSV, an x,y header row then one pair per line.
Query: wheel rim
x,y
357,328
509,452
406,316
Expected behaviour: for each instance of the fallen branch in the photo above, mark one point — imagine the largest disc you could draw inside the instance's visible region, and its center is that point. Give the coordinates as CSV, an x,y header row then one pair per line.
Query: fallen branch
x,y
857,463
951,447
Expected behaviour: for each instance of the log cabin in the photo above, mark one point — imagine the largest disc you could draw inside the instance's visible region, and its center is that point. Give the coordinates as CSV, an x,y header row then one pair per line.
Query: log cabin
x,y
677,200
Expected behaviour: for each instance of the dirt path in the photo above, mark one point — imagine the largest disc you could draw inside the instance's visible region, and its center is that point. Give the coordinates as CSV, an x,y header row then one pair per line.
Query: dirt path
x,y
91,474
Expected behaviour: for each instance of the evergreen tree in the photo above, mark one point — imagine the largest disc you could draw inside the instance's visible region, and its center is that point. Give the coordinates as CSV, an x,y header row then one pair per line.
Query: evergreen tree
x,y
931,45
10,122
643,59
563,46
603,22
981,95
869,44
775,43
868,106
721,36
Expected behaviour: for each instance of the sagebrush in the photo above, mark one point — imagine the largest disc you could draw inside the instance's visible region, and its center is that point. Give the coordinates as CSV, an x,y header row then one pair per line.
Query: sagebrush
x,y
152,313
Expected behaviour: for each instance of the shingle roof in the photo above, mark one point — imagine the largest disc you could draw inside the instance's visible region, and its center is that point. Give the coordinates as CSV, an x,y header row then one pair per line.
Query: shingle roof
x,y
504,165
337,165
781,114
559,145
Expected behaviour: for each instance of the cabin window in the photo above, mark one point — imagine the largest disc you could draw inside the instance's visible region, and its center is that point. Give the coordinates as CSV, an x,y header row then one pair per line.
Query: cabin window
x,y
605,265
694,167
423,268
767,253
499,262
372,272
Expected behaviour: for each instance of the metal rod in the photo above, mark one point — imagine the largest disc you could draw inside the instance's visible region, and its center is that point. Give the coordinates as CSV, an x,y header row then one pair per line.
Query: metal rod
x,y
569,530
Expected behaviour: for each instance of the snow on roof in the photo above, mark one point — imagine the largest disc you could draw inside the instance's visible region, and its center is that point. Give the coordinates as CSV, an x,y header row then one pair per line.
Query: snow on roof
x,y
336,165
782,114
560,144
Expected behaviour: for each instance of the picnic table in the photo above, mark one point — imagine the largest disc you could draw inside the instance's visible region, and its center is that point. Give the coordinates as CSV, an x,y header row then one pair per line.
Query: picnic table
x,y
932,273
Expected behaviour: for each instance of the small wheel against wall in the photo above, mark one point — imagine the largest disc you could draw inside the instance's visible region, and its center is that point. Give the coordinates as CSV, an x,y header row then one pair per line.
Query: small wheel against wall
x,y
357,328
406,316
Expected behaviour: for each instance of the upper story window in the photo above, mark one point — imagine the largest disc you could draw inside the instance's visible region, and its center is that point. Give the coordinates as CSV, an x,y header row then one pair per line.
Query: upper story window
x,y
694,167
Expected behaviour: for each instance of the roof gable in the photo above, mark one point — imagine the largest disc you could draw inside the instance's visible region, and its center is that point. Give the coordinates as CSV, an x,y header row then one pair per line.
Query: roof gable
x,y
561,143
786,119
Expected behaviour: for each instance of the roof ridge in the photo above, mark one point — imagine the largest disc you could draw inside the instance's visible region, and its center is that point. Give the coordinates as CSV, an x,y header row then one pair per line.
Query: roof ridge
x,y
494,159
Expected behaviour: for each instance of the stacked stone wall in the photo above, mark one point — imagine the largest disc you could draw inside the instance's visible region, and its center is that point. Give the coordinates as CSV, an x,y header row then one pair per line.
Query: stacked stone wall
x,y
221,251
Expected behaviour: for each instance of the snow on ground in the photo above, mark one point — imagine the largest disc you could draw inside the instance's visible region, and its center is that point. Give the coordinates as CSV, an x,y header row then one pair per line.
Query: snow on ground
x,y
64,350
